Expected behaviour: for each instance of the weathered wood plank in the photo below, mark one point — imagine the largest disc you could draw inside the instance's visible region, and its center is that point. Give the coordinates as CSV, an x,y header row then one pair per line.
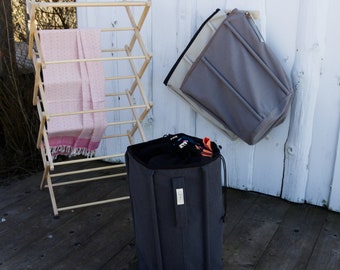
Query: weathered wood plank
x,y
24,215
247,244
125,259
326,253
18,189
249,238
65,233
293,242
113,227
238,205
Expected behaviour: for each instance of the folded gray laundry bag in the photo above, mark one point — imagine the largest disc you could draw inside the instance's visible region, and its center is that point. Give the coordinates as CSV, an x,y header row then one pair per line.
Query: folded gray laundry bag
x,y
235,80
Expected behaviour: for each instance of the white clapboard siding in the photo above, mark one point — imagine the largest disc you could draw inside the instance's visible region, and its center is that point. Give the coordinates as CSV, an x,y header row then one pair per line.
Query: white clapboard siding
x,y
260,167
298,160
334,202
329,105
170,115
306,79
326,119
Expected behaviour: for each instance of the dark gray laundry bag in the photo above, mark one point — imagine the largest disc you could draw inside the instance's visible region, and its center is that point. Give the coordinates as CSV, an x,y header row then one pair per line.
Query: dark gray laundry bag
x,y
177,204
236,78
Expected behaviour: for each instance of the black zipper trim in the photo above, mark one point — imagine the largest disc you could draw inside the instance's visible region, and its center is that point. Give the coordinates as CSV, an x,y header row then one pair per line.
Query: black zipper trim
x,y
188,46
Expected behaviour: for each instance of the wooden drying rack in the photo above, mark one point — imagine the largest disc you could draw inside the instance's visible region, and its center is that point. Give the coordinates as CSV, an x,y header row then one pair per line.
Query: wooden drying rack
x,y
138,111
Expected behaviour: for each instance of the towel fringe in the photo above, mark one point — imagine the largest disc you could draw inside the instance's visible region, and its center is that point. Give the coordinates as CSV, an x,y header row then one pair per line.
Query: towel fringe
x,y
69,151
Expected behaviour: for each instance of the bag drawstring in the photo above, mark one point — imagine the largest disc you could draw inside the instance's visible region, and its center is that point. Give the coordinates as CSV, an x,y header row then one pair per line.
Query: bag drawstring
x,y
224,188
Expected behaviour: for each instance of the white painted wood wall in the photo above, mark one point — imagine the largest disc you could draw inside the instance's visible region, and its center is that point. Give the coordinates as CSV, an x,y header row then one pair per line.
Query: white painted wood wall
x,y
298,160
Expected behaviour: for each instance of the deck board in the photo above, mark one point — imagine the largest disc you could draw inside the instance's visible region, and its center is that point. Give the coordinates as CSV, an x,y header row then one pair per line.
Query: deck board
x,y
326,253
293,242
249,238
261,232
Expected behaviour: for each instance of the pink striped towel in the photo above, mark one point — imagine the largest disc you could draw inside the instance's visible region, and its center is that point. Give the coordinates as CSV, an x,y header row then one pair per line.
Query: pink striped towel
x,y
71,87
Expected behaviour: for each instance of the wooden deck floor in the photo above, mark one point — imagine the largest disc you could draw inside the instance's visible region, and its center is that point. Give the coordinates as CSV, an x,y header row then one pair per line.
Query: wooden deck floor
x,y
261,232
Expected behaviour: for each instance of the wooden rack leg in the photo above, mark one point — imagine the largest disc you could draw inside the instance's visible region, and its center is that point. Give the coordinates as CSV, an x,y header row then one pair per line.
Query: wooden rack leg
x,y
44,177
52,196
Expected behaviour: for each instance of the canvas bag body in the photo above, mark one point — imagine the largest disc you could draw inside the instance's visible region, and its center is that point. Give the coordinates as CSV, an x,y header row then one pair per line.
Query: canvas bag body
x,y
176,210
